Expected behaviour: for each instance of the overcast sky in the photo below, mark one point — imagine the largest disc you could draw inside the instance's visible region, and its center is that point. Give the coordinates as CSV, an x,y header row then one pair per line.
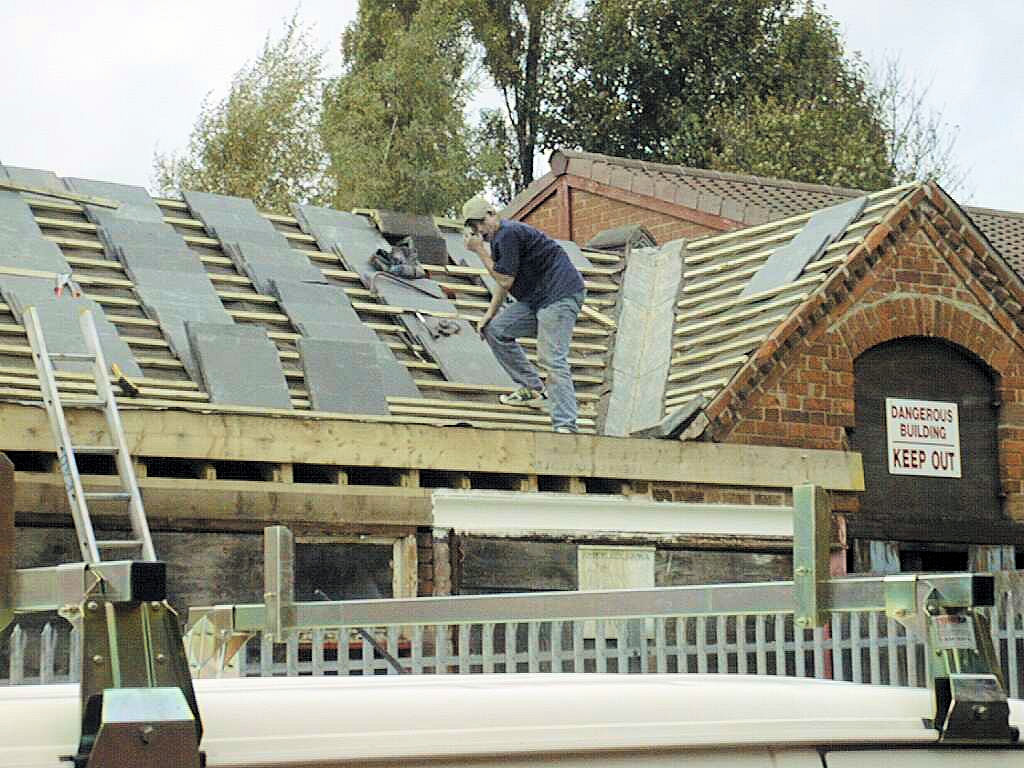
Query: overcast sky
x,y
93,89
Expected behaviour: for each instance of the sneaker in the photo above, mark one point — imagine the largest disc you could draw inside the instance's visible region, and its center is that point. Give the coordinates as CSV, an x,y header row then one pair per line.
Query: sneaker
x,y
565,431
534,398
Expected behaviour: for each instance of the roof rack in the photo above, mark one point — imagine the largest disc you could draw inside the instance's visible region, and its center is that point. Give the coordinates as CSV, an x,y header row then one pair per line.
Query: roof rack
x,y
136,672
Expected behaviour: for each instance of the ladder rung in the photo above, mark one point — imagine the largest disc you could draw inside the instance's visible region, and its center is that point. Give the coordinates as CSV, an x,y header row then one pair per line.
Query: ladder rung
x,y
85,403
95,450
119,544
87,356
108,495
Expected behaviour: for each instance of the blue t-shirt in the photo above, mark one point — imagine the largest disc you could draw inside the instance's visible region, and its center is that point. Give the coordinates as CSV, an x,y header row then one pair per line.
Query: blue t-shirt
x,y
541,267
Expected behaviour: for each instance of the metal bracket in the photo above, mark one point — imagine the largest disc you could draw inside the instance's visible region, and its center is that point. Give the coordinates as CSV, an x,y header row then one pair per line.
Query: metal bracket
x,y
812,534
132,651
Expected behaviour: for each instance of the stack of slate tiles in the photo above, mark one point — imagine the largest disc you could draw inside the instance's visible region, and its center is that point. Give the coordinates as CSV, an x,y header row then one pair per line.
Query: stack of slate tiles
x,y
172,284
24,249
461,354
345,366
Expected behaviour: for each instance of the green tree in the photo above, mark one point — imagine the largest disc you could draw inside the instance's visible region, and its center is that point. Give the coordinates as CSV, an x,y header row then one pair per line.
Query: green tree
x,y
394,124
638,78
262,140
816,117
521,41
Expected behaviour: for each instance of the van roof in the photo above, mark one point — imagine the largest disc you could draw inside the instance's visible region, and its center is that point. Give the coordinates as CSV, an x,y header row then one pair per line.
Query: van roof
x,y
277,720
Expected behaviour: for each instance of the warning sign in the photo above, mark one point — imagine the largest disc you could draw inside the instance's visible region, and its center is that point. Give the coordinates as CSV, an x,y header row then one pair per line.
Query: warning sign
x,y
924,437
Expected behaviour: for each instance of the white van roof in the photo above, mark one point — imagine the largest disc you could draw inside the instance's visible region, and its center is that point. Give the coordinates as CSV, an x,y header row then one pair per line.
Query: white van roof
x,y
271,721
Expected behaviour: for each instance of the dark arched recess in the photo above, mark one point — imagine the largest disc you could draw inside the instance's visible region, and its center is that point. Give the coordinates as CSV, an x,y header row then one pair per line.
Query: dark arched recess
x,y
928,509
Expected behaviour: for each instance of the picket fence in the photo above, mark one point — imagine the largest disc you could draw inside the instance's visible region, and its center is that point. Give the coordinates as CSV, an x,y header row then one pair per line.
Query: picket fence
x,y
862,647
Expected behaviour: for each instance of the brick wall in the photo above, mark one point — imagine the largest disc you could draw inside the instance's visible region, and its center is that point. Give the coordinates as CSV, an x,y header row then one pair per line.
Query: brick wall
x,y
593,213
546,217
920,285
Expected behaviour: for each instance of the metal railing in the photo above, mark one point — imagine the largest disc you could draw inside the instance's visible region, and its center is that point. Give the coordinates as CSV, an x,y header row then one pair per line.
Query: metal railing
x,y
858,646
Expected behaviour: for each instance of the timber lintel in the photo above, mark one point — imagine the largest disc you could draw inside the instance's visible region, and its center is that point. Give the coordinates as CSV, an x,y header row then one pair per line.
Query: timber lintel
x,y
304,440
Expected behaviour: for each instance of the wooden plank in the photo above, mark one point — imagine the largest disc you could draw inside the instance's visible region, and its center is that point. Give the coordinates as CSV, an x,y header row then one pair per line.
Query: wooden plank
x,y
7,503
593,314
100,201
222,433
241,505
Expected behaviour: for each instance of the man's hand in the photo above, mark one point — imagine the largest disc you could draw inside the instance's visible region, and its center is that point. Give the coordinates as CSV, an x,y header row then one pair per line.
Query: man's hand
x,y
475,243
483,321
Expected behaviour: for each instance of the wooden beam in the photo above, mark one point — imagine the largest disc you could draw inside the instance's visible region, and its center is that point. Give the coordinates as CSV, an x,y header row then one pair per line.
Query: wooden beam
x,y
101,201
242,505
564,209
289,436
6,539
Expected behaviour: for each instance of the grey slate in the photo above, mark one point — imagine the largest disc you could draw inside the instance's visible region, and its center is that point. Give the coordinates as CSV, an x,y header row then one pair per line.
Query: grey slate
x,y
174,288
617,238
575,254
17,222
239,364
263,264
463,357
58,317
169,278
353,235
135,202
643,345
353,376
678,419
421,229
118,233
320,311
22,246
822,229
33,177
233,218
461,255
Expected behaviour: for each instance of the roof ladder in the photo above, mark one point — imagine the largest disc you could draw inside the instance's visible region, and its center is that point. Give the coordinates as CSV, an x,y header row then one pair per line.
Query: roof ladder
x,y
128,497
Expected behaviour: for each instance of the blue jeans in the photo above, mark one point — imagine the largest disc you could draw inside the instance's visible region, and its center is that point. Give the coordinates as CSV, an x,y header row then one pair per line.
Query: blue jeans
x,y
552,326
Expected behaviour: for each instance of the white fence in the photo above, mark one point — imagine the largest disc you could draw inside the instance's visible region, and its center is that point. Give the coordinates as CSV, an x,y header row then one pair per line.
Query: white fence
x,y
862,647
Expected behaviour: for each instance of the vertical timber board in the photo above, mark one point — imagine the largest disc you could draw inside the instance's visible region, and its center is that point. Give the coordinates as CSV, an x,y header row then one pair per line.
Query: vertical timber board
x,y
405,568
6,537
442,562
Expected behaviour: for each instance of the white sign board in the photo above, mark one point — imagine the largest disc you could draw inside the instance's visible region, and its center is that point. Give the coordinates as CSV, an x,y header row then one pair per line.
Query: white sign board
x,y
924,437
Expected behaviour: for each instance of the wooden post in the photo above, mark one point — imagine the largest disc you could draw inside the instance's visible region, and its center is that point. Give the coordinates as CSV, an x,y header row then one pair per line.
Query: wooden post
x,y
6,540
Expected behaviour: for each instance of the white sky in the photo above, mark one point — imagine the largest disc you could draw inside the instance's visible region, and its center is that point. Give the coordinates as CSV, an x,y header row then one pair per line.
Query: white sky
x,y
92,89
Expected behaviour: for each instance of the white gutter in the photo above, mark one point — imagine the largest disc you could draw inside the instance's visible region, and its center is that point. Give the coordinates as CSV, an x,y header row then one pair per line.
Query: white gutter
x,y
507,513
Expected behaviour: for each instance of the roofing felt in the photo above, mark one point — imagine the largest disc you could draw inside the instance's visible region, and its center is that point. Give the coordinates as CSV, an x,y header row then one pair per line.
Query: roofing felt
x,y
744,199
249,293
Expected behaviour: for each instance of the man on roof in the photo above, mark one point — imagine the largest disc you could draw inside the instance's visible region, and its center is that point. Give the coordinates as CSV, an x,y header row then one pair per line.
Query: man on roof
x,y
549,294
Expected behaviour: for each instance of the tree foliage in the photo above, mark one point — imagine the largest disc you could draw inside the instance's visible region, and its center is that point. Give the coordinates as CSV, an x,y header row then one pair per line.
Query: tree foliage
x,y
817,119
919,143
261,141
394,124
521,41
757,86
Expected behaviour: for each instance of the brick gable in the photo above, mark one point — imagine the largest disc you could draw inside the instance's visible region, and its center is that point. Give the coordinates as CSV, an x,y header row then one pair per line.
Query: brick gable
x,y
923,273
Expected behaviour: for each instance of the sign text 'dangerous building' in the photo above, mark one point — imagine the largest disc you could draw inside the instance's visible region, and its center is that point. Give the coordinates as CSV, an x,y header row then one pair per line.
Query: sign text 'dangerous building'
x,y
923,437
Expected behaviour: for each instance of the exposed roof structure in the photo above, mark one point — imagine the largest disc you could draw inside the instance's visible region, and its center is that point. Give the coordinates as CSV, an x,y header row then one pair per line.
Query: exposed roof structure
x,y
717,325
726,339
258,281
742,199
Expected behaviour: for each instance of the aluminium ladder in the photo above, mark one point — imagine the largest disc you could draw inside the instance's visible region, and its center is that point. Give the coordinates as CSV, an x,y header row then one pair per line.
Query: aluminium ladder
x,y
67,451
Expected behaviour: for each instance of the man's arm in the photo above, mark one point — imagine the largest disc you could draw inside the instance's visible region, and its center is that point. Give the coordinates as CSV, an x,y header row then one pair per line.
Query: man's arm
x,y
504,282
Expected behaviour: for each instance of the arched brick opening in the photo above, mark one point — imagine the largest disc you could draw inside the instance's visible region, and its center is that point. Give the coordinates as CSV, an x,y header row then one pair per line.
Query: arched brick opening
x,y
934,478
